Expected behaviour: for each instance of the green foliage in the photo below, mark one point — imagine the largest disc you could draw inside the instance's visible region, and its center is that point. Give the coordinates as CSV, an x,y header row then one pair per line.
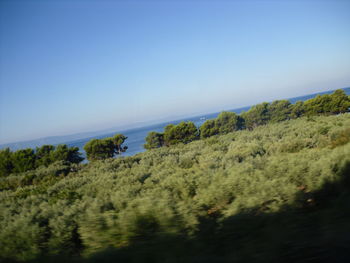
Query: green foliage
x,y
340,102
257,115
324,130
336,103
6,165
25,160
261,114
68,154
208,129
297,110
226,122
341,137
277,193
280,110
154,140
318,105
230,198
41,175
100,149
44,155
184,132
118,140
48,154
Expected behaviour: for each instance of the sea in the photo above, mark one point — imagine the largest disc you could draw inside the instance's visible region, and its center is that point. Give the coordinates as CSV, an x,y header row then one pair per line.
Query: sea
x,y
136,136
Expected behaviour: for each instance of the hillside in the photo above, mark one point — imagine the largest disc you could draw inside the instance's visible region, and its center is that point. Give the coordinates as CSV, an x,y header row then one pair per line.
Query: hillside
x,y
278,193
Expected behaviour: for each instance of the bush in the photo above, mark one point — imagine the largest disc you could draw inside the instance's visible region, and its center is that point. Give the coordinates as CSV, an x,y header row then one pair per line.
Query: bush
x,y
256,115
184,132
208,129
100,149
280,110
340,138
154,140
226,122
6,165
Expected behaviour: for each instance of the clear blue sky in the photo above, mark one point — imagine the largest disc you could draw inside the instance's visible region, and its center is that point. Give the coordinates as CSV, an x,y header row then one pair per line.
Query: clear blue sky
x,y
76,66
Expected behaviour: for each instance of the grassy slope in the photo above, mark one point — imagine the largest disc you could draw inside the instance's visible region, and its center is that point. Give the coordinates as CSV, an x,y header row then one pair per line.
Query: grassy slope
x,y
278,193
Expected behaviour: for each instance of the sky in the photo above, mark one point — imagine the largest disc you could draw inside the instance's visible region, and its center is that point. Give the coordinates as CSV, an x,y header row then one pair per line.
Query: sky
x,y
76,66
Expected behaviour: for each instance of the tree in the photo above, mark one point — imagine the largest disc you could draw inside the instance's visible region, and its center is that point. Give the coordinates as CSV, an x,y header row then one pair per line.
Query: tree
x,y
48,154
6,165
279,110
118,140
28,159
297,109
44,155
208,129
154,140
318,105
340,102
184,132
257,115
23,160
99,149
228,122
168,128
68,154
335,103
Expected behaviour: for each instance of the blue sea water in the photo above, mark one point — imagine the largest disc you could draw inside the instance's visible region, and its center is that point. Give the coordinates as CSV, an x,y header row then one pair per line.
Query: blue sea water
x,y
136,136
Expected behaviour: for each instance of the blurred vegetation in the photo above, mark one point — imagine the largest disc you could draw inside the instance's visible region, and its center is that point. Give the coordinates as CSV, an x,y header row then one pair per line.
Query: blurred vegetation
x,y
100,149
154,140
278,193
184,132
226,122
257,115
28,159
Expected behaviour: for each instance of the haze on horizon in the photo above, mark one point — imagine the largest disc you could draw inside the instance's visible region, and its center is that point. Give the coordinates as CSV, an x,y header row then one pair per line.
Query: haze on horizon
x,y
77,66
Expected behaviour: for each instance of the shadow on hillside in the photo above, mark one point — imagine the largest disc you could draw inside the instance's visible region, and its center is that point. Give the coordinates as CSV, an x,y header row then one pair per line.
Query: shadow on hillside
x,y
315,229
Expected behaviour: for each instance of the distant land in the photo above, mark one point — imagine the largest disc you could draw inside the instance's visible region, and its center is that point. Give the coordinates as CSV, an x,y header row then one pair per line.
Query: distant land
x,y
135,132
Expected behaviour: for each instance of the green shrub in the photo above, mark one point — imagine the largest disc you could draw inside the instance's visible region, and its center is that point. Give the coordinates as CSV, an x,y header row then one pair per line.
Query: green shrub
x,y
271,194
184,132
341,137
154,140
25,160
100,149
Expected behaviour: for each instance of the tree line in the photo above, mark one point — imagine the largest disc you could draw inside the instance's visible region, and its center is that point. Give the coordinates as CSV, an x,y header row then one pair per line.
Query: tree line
x,y
99,149
29,159
260,114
